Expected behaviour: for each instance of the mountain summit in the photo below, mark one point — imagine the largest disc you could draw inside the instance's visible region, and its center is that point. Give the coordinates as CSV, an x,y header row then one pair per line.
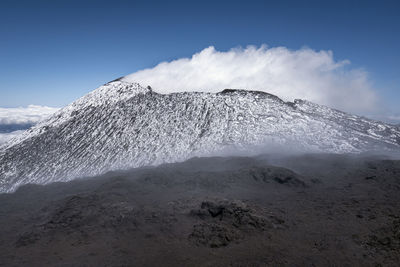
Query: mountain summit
x,y
123,125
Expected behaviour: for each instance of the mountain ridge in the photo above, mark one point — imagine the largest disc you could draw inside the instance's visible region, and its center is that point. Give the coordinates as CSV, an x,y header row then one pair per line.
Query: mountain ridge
x,y
123,125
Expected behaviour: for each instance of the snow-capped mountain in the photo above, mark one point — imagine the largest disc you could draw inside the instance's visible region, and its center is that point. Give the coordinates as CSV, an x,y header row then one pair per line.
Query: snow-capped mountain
x,y
122,125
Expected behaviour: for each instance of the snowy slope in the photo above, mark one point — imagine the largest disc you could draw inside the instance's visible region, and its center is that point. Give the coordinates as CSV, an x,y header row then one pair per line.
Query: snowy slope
x,y
122,125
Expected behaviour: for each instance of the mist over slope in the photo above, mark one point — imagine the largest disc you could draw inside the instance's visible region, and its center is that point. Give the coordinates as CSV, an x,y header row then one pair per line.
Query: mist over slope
x,y
122,125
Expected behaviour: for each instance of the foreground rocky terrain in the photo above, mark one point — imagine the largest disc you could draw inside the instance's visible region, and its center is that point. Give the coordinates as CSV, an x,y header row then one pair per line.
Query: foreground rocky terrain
x,y
302,210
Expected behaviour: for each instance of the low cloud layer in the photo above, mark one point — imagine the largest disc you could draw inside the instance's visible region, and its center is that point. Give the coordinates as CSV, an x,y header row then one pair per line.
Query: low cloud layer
x,y
394,118
4,137
13,121
25,115
289,74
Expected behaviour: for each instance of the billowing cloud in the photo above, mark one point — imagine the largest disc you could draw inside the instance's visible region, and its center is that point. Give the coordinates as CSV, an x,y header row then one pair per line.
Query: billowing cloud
x,y
289,74
25,115
13,121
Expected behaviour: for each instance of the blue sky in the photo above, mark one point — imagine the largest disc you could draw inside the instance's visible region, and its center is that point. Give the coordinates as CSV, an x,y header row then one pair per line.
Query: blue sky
x,y
53,52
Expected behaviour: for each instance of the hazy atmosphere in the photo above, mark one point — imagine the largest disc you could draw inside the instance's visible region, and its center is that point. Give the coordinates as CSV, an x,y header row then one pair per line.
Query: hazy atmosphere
x,y
199,133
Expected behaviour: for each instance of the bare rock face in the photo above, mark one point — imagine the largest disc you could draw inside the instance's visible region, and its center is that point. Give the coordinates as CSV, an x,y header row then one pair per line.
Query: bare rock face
x,y
123,125
82,216
386,237
219,211
223,222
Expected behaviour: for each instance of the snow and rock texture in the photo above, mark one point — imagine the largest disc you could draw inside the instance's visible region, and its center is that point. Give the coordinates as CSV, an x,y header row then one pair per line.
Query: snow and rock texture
x,y
122,125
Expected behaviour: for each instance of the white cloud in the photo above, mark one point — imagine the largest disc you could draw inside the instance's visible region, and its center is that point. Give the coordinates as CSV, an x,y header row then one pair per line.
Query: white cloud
x,y
18,118
25,115
394,119
4,137
289,74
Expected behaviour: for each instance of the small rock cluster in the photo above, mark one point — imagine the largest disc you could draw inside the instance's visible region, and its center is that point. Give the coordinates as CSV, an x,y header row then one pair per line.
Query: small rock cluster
x,y
223,222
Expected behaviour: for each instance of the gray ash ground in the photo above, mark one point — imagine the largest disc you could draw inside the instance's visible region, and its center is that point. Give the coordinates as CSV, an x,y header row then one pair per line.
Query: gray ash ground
x,y
306,210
